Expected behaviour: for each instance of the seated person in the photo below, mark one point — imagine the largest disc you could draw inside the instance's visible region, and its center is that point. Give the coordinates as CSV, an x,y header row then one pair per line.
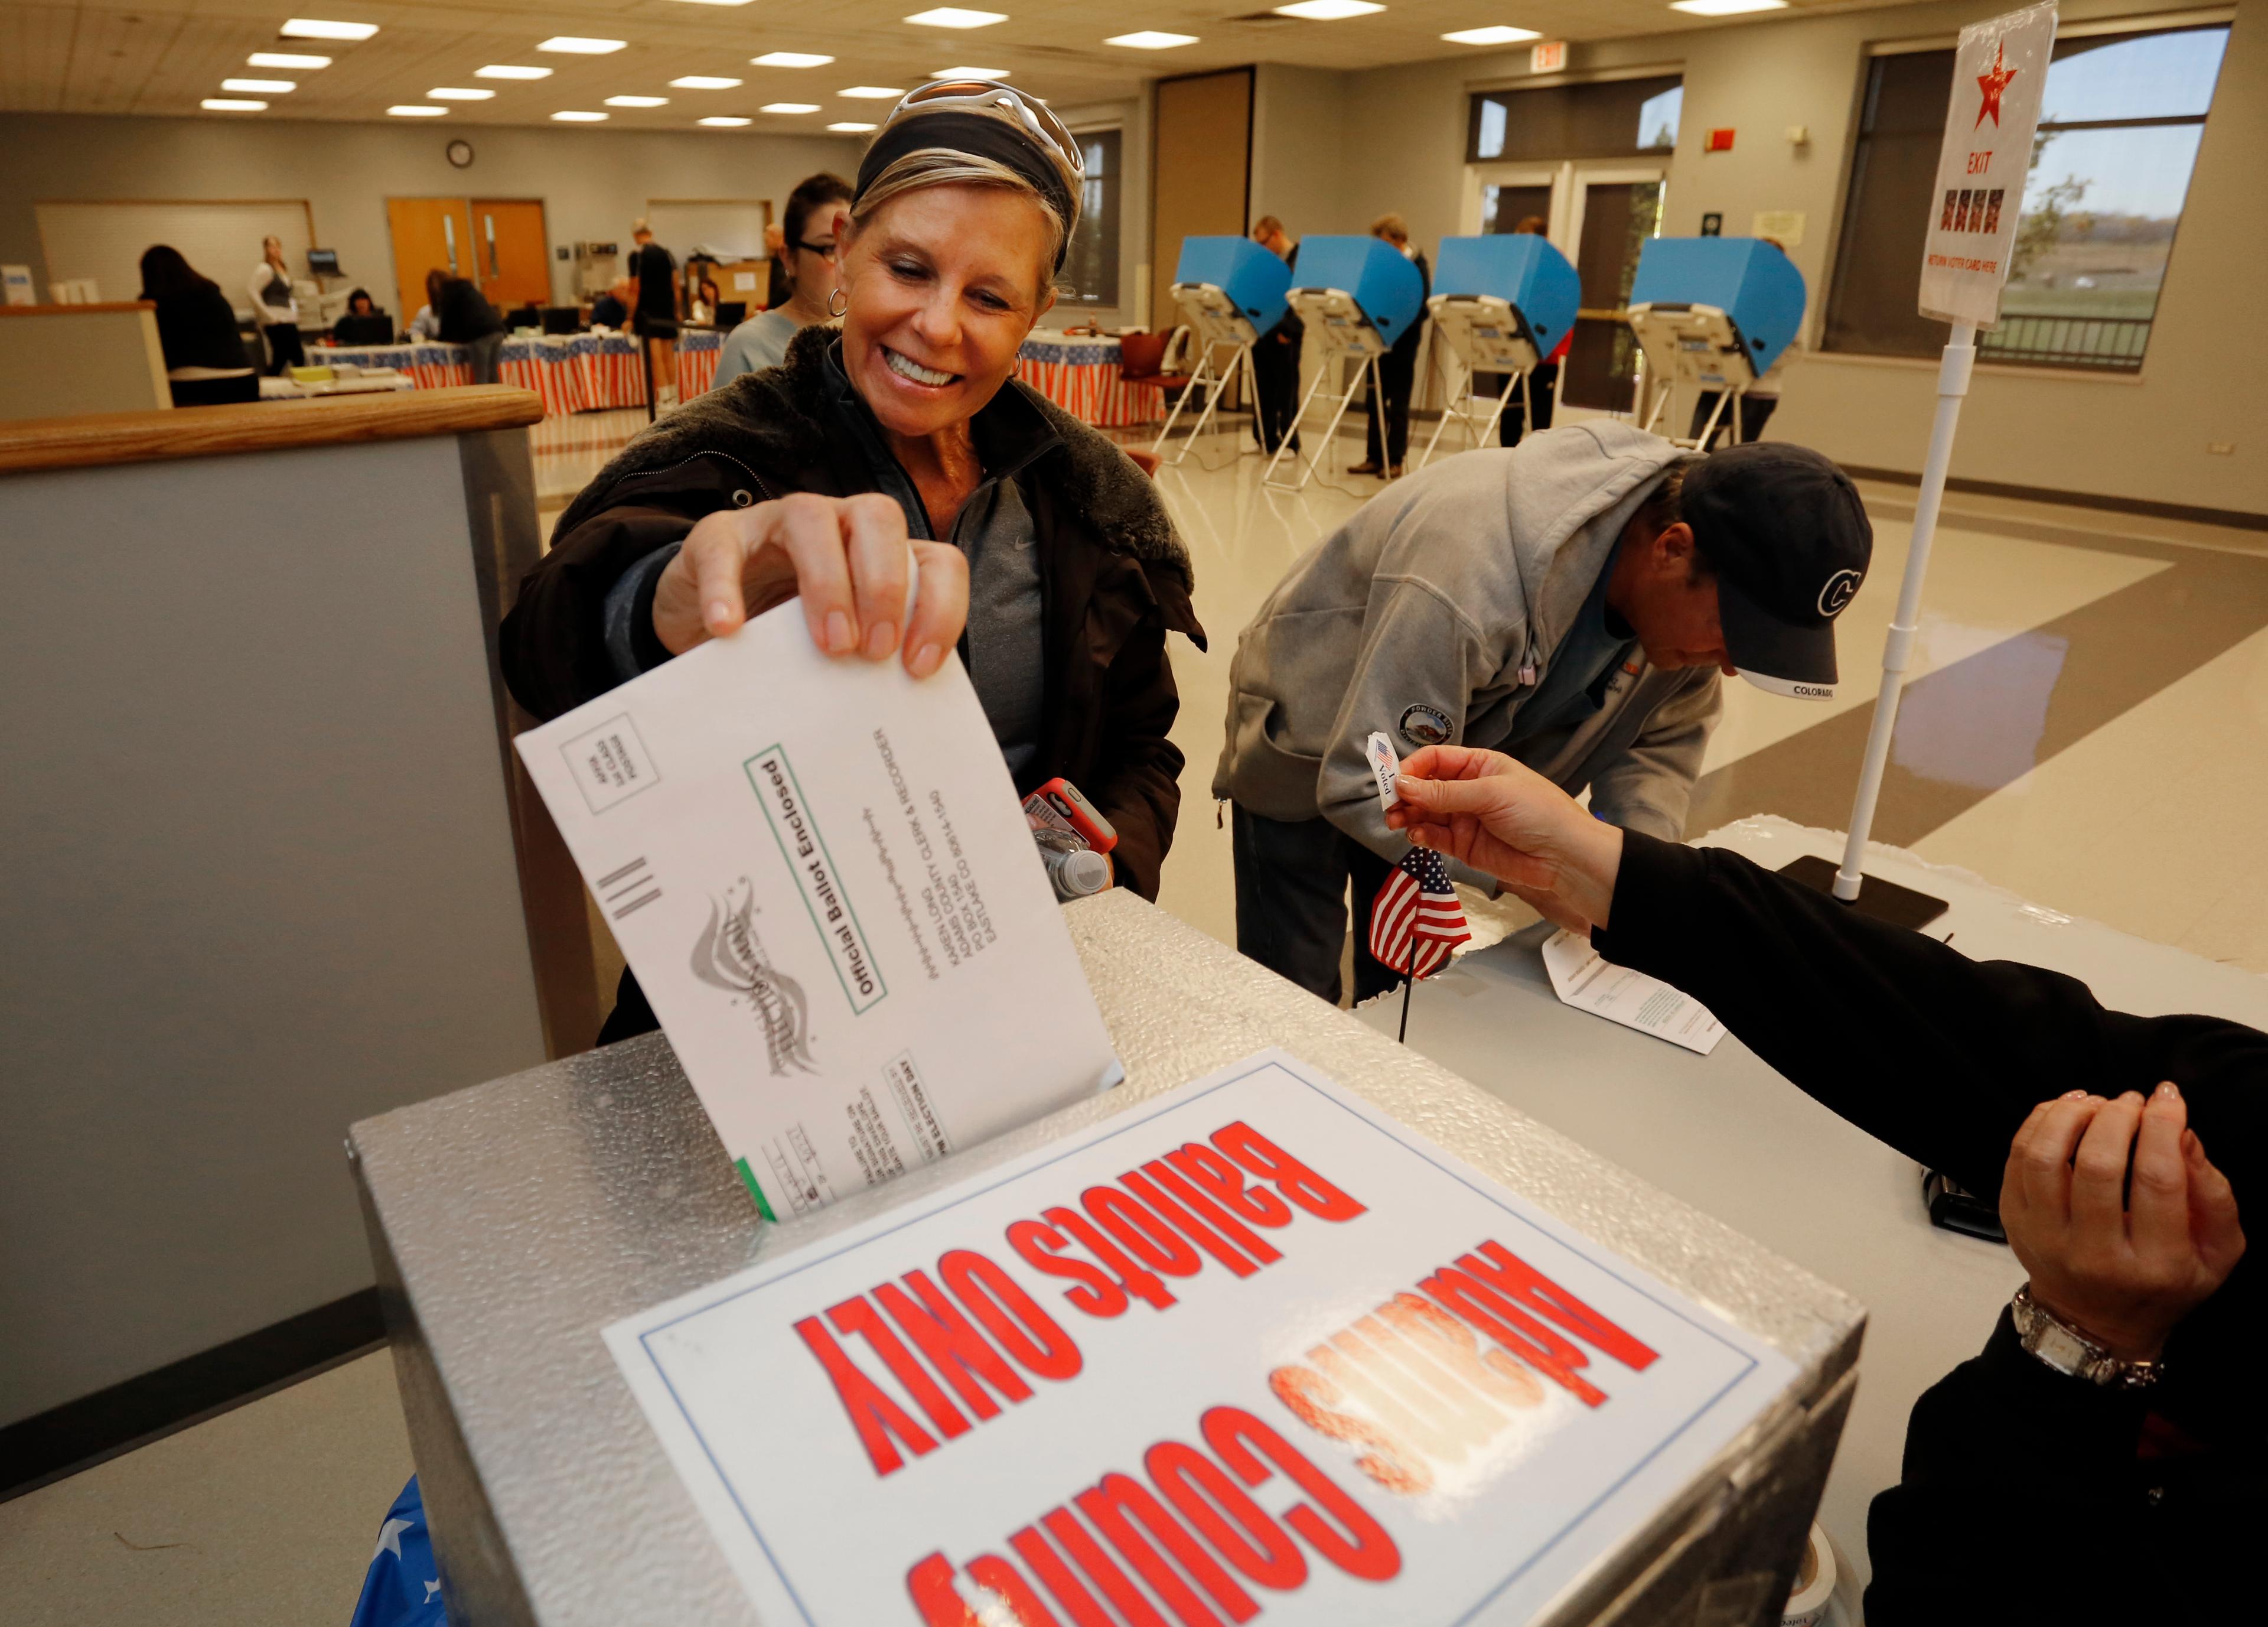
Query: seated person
x,y
612,308
2101,1459
1570,600
362,322
206,362
909,423
814,210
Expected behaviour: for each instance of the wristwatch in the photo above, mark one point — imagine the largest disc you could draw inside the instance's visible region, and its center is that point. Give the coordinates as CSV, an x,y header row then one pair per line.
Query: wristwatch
x,y
2055,1343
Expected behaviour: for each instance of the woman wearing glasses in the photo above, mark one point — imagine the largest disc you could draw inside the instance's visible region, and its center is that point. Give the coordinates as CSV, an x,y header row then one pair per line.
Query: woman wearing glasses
x,y
1044,554
807,250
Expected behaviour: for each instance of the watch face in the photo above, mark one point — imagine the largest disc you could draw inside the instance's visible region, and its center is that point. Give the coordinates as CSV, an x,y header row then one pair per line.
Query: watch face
x,y
2059,1350
460,154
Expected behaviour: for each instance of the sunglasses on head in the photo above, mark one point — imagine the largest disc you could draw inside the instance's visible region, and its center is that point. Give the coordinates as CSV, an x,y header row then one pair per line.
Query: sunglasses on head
x,y
990,96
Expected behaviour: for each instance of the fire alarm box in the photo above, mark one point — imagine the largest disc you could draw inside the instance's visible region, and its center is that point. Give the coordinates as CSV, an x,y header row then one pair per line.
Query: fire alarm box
x,y
1720,141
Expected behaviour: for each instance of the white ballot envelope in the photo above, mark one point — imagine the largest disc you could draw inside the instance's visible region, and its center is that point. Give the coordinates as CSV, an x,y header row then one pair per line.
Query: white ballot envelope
x,y
820,872
1584,978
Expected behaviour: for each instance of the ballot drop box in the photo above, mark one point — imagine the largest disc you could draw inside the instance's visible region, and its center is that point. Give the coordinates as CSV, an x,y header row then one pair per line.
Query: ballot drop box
x,y
1291,1325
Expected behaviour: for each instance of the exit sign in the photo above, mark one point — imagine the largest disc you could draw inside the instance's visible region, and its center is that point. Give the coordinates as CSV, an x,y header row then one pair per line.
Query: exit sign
x,y
1547,56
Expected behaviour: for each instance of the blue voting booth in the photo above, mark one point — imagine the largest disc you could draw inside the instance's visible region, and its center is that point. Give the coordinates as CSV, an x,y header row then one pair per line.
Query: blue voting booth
x,y
1253,278
1355,296
1713,312
1501,304
1229,290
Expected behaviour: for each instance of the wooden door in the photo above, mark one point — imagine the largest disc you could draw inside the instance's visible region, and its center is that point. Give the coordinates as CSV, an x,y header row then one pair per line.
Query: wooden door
x,y
511,252
1617,217
430,233
1200,174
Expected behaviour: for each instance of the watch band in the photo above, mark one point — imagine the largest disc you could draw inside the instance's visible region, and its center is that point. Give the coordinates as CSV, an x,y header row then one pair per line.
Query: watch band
x,y
2053,1342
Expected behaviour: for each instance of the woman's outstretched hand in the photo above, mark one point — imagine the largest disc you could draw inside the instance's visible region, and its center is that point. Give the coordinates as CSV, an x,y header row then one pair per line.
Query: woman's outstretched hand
x,y
1493,814
845,556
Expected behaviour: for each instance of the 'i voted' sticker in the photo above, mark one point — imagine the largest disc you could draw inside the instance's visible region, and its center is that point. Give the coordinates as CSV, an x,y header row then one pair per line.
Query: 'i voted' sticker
x,y
1385,764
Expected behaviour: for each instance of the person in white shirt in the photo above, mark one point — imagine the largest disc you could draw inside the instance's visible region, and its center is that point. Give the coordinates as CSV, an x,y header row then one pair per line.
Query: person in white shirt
x,y
275,308
424,328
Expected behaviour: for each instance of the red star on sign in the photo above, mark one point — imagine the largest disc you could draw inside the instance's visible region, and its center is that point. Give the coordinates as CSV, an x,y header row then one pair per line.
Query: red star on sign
x,y
1993,84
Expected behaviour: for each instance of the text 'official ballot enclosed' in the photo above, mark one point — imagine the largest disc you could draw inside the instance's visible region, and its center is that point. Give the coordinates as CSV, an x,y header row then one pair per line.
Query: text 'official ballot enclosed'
x,y
1255,1348
818,870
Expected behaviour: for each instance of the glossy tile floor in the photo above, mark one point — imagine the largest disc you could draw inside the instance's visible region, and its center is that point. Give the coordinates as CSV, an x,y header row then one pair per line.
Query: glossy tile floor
x,y
2087,724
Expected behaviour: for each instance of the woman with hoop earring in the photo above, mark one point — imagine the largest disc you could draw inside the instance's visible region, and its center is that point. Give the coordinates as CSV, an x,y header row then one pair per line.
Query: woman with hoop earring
x,y
1045,555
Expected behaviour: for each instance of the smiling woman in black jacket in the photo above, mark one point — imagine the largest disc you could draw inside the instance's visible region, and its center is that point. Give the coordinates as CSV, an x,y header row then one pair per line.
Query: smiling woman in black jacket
x,y
908,423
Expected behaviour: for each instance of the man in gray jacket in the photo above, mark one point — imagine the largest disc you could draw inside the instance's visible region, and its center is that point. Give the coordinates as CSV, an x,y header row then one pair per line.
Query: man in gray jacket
x,y
1570,602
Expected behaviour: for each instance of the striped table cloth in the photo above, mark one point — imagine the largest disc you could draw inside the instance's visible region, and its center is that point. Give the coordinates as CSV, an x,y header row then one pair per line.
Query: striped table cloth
x,y
572,373
1080,375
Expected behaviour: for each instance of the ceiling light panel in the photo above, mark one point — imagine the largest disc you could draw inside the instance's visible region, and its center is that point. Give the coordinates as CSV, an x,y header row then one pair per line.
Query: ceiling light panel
x,y
1726,8
1151,40
791,59
725,120
638,101
456,93
576,45
957,17
509,70
789,106
230,104
1328,11
705,82
851,127
573,117
970,73
415,110
872,92
260,86
285,59
321,28
1499,35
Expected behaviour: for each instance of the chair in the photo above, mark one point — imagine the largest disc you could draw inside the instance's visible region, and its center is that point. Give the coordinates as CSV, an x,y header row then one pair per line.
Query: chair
x,y
1143,358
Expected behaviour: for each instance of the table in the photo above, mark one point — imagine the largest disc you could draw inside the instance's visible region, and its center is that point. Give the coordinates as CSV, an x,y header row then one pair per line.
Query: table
x,y
1079,374
512,1221
1732,1138
572,373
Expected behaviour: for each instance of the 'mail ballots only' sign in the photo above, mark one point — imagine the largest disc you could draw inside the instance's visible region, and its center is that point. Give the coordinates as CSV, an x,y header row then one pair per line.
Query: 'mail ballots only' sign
x,y
2000,73
1250,1351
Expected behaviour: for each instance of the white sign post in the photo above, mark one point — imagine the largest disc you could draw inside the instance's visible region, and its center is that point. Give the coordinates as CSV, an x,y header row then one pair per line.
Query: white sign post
x,y
1253,1346
2000,73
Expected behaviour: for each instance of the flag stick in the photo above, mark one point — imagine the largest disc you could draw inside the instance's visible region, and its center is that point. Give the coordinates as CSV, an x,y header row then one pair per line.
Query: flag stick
x,y
1408,983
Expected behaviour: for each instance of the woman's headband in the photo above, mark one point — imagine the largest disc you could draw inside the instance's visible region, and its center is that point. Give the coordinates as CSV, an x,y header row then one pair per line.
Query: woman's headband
x,y
976,135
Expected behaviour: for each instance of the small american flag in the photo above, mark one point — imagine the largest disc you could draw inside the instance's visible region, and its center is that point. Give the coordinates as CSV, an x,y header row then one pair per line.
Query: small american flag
x,y
1415,921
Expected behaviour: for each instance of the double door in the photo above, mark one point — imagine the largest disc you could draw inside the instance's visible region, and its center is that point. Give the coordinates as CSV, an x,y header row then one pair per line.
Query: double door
x,y
1600,216
497,244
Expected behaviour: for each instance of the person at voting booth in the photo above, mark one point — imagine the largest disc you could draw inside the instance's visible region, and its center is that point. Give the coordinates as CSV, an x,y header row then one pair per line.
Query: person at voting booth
x,y
2101,1459
1570,600
1543,382
1276,357
1397,369
908,422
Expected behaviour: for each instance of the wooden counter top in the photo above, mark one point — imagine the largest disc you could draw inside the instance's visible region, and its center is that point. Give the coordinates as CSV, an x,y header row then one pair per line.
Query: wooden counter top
x,y
98,438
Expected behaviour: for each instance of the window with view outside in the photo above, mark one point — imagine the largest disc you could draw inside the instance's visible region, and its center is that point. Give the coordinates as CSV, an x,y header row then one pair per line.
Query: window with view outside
x,y
1090,269
2120,121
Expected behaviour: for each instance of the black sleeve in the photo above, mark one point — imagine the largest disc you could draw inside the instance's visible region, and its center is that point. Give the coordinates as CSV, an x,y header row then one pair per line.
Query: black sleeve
x,y
553,642
2019,1483
1939,1056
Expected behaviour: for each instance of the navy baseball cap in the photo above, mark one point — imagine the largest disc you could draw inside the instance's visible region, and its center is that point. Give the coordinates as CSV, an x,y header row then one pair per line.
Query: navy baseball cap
x,y
1785,532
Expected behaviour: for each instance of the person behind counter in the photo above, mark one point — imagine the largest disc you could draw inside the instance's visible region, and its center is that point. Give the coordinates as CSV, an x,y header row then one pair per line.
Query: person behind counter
x,y
2101,1459
612,308
1572,600
908,422
815,210
197,331
275,308
462,315
362,322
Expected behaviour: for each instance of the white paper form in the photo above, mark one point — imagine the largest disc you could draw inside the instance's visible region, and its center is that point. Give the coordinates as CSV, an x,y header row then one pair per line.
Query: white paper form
x,y
820,872
1584,978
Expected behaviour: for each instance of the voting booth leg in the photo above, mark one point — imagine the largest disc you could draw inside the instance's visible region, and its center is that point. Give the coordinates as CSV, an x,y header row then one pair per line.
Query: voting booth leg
x,y
1715,413
1290,434
1461,408
1210,383
1876,896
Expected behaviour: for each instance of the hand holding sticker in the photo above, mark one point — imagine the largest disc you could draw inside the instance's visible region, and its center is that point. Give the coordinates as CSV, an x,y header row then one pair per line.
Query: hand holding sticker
x,y
1385,764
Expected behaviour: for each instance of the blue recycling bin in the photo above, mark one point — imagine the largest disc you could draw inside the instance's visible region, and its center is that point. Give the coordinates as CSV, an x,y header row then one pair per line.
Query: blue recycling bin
x,y
1249,274
1753,283
1523,271
1381,279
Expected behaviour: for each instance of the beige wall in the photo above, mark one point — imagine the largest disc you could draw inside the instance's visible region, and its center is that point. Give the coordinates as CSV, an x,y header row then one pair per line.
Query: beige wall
x,y
59,360
1332,151
593,183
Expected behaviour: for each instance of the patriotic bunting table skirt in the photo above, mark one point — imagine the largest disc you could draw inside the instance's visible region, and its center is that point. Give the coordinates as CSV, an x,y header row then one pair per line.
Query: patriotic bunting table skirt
x,y
1081,376
574,372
